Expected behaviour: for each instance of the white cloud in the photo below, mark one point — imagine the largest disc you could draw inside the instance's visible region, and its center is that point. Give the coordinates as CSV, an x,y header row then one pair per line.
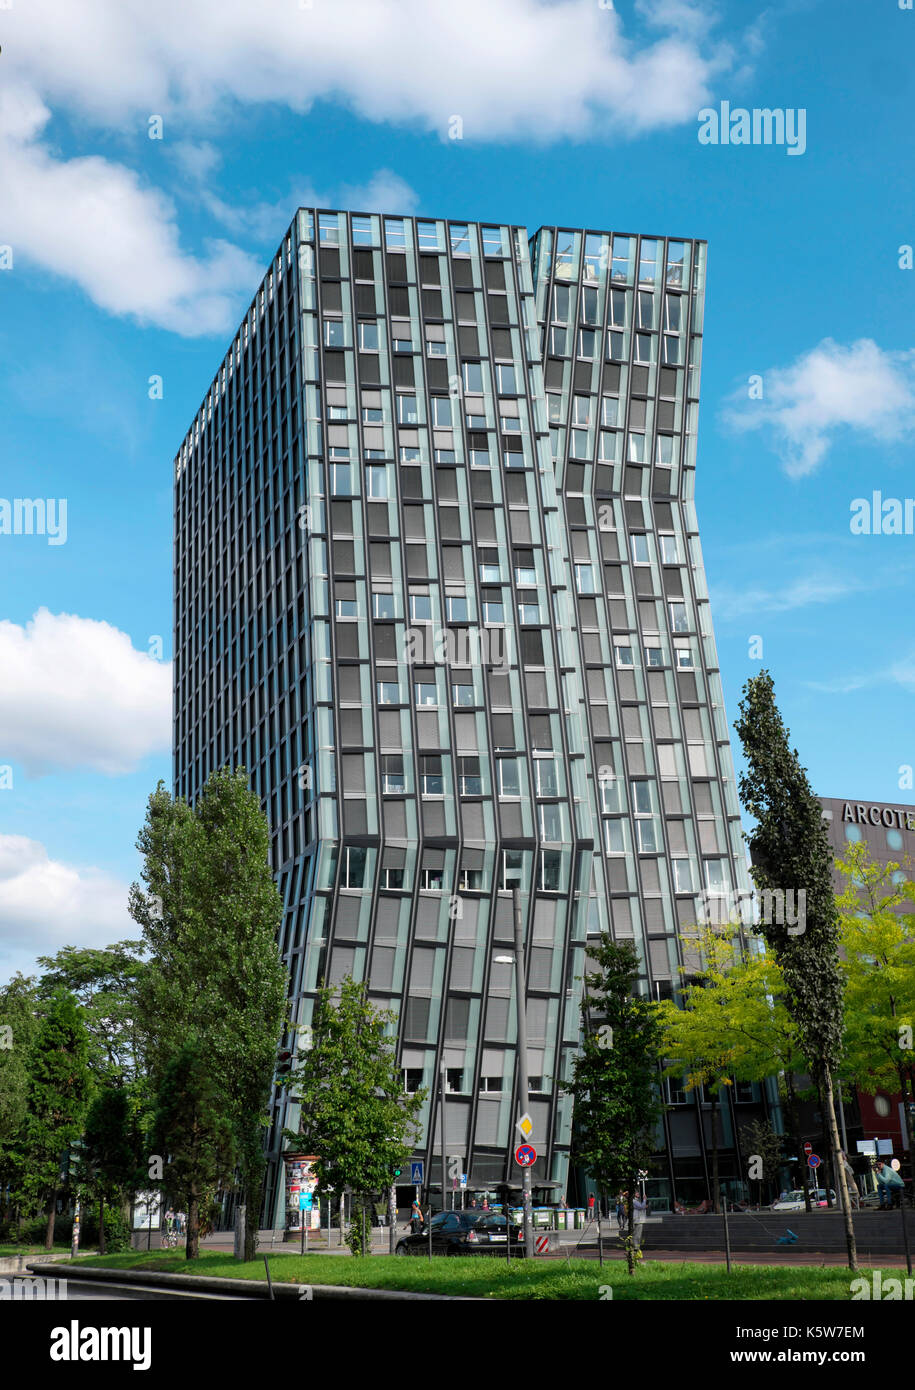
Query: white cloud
x,y
517,69
76,693
796,593
93,221
46,905
862,388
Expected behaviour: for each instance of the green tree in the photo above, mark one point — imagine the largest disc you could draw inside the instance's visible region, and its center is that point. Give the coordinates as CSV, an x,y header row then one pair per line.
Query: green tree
x,y
210,912
104,981
790,855
110,1156
19,1024
191,1127
59,1090
236,909
615,1076
355,1117
731,1022
878,963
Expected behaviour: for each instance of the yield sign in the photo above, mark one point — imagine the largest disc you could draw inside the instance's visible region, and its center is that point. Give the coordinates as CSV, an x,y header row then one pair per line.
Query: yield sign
x,y
525,1124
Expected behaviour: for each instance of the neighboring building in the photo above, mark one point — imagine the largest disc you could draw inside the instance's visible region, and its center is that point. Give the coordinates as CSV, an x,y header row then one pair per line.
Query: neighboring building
x,y
439,589
888,830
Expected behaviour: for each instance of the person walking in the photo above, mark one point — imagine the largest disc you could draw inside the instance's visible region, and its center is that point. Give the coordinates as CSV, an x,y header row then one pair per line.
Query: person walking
x,y
620,1211
639,1207
591,1207
416,1217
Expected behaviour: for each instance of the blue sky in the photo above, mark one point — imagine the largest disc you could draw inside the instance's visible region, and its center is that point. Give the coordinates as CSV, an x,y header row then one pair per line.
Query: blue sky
x,y
134,257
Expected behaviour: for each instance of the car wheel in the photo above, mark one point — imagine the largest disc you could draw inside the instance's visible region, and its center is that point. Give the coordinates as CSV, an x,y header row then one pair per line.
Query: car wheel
x,y
401,1249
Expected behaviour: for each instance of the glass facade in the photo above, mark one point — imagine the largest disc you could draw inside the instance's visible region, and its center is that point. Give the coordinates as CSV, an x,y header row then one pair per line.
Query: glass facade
x,y
439,589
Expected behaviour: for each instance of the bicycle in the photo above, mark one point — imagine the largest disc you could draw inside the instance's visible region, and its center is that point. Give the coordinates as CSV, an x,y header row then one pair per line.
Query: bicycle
x,y
172,1238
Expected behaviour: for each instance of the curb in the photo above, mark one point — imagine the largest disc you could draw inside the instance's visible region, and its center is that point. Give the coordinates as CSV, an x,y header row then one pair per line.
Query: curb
x,y
253,1287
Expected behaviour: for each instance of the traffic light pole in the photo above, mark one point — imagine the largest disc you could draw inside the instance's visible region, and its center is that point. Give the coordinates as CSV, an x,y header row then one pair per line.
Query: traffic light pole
x,y
523,1080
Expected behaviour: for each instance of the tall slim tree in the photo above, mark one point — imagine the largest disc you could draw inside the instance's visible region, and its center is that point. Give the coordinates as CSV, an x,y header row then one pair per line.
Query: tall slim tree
x,y
210,913
615,1077
236,911
355,1116
59,1091
790,854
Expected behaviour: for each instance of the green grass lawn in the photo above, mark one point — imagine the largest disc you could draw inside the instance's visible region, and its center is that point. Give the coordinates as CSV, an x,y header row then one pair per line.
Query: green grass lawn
x,y
487,1278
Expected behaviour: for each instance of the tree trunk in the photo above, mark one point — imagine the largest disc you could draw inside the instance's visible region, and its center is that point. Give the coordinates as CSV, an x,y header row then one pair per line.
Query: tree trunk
x,y
715,1181
101,1224
630,1253
52,1217
192,1249
254,1195
830,1111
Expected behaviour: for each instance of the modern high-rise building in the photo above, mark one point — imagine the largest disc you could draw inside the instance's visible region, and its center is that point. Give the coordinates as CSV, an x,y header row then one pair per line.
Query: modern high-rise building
x,y
438,587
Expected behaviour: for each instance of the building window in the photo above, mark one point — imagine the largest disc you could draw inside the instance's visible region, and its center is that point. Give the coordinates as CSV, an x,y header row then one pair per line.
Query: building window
x,y
551,822
388,693
454,1080
340,480
421,608
382,605
581,410
683,875
635,448
509,775
406,410
376,482
435,349
549,870
670,351
392,774
432,780
493,613
472,374
490,573
670,551
545,778
639,545
431,880
353,866
506,379
457,608
528,613
588,343
678,619
684,659
490,1083
412,1080
333,333
441,412
654,656
584,579
664,451
425,693
368,337
469,779
624,656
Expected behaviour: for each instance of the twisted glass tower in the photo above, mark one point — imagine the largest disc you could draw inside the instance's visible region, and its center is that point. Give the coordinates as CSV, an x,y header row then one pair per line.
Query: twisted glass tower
x,y
438,587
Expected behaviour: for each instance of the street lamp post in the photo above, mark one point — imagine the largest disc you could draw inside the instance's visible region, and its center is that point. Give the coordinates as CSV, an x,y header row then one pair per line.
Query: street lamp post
x,y
523,1080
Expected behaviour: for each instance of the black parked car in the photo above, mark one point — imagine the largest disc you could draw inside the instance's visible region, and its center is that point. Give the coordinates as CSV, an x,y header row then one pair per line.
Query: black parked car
x,y
465,1233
